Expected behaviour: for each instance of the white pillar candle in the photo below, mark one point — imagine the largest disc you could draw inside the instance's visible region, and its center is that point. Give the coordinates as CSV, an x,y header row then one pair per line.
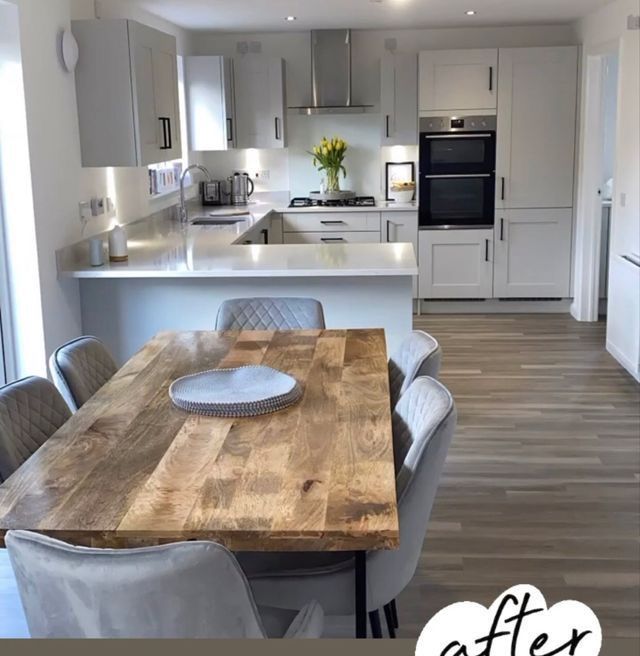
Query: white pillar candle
x,y
96,252
118,244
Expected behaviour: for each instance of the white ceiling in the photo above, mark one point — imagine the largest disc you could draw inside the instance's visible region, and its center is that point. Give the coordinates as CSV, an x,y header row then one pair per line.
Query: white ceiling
x,y
269,15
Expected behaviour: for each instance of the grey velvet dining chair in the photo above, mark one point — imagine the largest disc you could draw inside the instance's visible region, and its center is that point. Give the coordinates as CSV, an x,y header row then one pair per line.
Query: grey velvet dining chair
x,y
80,368
179,590
419,354
31,411
270,314
423,425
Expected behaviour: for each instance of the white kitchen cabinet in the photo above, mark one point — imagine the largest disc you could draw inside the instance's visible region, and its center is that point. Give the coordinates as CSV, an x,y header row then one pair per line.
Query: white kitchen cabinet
x,y
334,237
532,253
127,93
331,221
209,92
399,99
401,227
536,127
260,101
455,264
453,80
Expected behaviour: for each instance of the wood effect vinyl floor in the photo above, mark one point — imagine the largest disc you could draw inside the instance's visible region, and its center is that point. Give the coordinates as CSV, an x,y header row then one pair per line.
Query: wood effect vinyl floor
x,y
541,483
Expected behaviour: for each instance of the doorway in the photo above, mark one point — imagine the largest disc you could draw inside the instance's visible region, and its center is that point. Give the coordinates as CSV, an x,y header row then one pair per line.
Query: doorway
x,y
597,184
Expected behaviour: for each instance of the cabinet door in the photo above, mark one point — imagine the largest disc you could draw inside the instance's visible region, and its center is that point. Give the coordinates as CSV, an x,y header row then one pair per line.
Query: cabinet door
x,y
536,127
209,95
260,103
155,86
458,79
456,263
399,99
165,77
532,253
402,227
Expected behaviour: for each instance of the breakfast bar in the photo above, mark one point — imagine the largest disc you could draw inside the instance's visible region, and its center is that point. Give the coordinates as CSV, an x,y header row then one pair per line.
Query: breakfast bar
x,y
177,276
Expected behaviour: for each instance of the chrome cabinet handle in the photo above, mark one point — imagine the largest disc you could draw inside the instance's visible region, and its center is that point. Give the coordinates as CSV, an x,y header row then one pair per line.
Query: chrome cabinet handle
x,y
332,222
486,250
501,229
229,129
331,239
388,226
490,78
502,192
277,126
387,125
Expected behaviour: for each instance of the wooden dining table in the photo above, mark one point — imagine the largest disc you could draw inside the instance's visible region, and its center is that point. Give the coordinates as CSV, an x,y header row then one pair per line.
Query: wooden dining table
x,y
131,469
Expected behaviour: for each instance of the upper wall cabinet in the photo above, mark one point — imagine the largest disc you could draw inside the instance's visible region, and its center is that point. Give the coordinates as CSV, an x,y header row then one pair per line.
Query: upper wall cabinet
x,y
458,80
260,102
210,102
399,99
536,127
127,91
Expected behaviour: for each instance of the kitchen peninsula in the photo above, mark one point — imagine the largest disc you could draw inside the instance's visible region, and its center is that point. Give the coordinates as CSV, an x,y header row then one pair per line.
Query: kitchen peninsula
x,y
177,276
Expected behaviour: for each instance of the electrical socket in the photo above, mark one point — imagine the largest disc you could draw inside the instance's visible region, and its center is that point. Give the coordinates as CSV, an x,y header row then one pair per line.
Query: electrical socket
x,y
97,206
263,175
85,211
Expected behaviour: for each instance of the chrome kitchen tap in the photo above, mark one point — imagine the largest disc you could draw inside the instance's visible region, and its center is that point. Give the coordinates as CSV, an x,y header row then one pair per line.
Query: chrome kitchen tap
x,y
184,215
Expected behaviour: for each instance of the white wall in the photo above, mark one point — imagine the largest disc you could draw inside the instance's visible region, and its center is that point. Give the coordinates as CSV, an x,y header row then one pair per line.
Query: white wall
x,y
602,27
59,181
365,158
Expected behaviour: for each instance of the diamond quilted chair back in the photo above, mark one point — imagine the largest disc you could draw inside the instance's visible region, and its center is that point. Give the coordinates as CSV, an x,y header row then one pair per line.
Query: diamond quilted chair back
x,y
80,368
31,411
270,314
418,355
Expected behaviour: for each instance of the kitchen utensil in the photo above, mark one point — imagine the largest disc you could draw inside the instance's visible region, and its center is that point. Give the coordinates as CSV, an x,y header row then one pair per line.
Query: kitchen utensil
x,y
213,193
240,188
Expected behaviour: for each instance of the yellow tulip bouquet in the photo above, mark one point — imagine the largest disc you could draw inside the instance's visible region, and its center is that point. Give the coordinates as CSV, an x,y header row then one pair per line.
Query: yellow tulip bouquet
x,y
328,156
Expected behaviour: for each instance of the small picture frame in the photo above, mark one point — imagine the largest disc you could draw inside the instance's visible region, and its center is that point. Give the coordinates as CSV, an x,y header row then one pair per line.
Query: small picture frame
x,y
398,172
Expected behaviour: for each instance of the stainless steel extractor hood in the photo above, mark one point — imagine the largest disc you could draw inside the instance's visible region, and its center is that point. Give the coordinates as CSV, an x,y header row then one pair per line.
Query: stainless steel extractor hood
x,y
331,74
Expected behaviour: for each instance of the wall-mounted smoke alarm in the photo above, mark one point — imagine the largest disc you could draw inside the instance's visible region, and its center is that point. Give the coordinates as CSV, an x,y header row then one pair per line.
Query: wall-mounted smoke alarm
x,y
68,51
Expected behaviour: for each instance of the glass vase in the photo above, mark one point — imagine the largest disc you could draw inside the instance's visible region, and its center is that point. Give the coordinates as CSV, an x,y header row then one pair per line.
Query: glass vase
x,y
333,180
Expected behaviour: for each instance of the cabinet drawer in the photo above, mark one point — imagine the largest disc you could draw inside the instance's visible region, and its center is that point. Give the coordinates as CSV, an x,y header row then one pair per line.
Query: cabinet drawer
x,y
331,221
333,238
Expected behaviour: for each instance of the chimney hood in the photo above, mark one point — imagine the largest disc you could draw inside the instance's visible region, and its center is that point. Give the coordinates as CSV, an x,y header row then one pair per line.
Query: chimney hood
x,y
331,74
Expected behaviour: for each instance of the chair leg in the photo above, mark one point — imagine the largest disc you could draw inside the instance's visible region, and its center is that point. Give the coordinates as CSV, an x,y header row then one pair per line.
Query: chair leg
x,y
388,613
394,613
376,627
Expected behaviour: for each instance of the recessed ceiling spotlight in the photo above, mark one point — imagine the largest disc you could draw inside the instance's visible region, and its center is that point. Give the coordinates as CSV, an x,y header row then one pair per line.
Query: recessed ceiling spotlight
x,y
290,18
470,12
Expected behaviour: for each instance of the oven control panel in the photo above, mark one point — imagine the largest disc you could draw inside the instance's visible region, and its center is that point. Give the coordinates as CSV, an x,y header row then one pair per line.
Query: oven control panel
x,y
458,124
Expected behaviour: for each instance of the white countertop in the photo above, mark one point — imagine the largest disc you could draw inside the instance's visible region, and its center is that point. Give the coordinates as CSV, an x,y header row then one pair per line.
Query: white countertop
x,y
162,248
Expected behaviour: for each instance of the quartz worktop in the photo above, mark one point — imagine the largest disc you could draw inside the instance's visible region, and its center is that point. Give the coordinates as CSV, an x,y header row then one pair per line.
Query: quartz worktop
x,y
160,247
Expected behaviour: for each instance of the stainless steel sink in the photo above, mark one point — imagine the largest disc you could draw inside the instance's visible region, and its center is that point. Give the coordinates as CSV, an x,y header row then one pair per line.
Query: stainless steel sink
x,y
217,220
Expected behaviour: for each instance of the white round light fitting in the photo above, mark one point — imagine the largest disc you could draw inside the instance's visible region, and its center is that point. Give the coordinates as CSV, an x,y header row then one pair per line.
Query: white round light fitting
x,y
68,51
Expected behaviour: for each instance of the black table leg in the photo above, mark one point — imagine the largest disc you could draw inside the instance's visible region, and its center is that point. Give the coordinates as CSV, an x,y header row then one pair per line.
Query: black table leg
x,y
376,627
394,613
388,613
361,594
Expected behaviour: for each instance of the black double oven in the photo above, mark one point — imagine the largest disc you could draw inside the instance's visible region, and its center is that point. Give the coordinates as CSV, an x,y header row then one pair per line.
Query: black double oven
x,y
457,172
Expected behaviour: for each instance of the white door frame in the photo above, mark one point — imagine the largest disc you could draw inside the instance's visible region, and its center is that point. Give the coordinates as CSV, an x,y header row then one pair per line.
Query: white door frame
x,y
589,211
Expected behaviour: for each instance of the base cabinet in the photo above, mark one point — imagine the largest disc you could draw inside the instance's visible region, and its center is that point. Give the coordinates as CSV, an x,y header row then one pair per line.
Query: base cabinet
x,y
401,227
455,264
532,253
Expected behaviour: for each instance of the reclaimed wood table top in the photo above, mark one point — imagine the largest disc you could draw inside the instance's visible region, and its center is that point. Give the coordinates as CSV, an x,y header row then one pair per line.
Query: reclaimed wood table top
x,y
129,468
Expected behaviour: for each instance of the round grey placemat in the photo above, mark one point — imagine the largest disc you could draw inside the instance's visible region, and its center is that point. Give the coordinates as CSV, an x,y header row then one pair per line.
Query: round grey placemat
x,y
242,392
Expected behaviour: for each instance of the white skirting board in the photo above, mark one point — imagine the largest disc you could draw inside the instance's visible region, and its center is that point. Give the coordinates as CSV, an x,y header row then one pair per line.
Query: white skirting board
x,y
126,313
495,306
